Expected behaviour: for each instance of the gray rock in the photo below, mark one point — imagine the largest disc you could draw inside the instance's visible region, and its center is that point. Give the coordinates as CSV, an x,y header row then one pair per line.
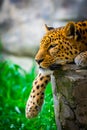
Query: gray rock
x,y
71,94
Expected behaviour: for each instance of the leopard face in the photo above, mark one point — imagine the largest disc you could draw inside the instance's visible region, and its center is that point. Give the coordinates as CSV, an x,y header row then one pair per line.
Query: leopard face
x,y
61,45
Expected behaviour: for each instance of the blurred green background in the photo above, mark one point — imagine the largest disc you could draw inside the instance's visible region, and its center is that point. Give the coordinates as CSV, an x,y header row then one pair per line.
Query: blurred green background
x,y
15,86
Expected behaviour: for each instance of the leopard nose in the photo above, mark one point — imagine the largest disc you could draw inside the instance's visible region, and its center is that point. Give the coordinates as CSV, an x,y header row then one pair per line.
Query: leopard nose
x,y
39,61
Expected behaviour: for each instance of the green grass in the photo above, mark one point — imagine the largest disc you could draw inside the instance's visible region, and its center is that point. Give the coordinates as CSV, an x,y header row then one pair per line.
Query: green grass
x,y
15,86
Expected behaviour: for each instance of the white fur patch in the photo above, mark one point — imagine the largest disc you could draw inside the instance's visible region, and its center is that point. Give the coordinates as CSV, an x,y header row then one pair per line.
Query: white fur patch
x,y
45,71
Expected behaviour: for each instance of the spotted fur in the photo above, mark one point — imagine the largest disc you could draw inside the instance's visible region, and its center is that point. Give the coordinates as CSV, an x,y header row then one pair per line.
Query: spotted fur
x,y
58,46
36,97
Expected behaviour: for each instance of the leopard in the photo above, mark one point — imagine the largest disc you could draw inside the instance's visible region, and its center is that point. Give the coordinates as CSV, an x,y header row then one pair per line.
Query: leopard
x,y
58,47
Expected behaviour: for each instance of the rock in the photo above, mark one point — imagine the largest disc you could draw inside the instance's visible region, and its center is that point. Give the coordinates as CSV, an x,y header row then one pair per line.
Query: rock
x,y
71,95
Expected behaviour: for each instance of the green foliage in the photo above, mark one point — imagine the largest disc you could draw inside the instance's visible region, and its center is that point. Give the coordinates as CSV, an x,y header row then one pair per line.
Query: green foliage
x,y
15,86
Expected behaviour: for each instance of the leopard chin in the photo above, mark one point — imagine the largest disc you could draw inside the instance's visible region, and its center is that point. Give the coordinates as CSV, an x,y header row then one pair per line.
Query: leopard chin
x,y
50,69
44,71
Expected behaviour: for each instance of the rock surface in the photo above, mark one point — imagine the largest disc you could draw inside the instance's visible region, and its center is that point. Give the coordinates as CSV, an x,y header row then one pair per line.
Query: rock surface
x,y
71,95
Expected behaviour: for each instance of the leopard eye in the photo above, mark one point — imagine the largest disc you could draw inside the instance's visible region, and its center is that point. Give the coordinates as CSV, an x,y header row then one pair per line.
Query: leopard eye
x,y
52,46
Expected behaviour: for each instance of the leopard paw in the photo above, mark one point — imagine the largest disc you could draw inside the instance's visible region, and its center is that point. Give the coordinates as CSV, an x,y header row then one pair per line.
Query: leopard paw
x,y
81,59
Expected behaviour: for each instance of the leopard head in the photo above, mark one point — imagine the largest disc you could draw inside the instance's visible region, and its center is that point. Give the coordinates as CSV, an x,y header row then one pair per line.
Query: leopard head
x,y
57,47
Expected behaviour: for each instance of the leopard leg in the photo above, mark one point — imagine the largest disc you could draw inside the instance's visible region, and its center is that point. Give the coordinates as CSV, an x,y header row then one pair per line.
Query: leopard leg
x,y
81,59
35,100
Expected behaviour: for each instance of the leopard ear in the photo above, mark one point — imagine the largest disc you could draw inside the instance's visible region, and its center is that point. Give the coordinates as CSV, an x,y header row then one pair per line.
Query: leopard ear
x,y
48,28
70,30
